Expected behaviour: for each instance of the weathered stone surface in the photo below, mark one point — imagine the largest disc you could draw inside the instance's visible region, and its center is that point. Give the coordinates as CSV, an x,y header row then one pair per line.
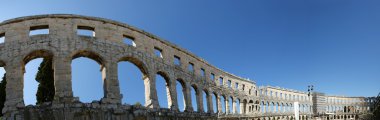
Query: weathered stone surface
x,y
107,48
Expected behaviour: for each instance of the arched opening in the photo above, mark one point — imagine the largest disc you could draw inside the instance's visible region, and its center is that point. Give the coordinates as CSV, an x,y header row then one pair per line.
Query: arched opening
x,y
250,104
282,107
238,106
204,98
244,106
230,104
268,107
257,105
38,88
2,86
194,97
180,87
215,102
262,106
131,76
277,107
163,90
87,69
223,102
133,90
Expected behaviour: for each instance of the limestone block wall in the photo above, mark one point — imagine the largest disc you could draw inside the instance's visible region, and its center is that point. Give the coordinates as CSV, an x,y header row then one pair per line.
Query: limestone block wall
x,y
153,56
276,101
106,46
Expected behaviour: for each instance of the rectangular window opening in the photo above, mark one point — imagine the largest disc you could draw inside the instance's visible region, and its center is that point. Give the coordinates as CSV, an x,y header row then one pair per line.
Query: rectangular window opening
x,y
236,85
191,67
177,60
212,76
221,81
203,72
243,87
39,30
229,83
158,52
129,40
2,37
86,31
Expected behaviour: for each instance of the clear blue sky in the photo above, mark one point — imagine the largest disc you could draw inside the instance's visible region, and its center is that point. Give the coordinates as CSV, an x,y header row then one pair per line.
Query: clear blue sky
x,y
332,44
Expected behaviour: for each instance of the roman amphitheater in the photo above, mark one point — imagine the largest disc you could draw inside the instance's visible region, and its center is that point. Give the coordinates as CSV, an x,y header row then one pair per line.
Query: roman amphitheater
x,y
153,56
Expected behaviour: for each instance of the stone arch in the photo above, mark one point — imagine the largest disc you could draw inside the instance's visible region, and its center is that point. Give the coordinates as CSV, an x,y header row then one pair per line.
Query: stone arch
x,y
263,108
137,62
206,100
142,68
89,54
250,104
216,103
197,98
2,64
282,107
184,98
98,58
257,103
42,53
244,106
230,104
31,55
224,103
273,107
168,85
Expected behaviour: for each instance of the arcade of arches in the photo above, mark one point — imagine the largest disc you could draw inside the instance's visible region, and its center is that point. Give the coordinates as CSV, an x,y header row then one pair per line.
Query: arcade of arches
x,y
190,87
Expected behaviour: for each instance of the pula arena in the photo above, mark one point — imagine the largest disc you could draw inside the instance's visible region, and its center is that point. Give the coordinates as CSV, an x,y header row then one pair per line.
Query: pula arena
x,y
106,46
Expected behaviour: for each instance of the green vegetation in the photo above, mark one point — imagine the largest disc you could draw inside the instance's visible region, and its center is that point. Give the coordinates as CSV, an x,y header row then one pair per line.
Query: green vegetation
x,y
2,94
45,78
137,104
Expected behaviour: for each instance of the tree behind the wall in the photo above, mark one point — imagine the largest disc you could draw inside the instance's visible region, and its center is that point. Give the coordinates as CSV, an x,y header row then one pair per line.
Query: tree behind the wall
x,y
3,83
45,78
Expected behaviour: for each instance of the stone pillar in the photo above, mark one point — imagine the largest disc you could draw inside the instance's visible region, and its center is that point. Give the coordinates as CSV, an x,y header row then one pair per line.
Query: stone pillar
x,y
62,79
264,108
219,104
111,83
227,105
242,108
210,106
187,96
234,109
14,88
151,100
173,95
199,99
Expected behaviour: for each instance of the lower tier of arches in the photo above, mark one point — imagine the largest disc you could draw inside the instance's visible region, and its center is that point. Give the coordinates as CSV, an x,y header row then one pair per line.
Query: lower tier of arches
x,y
99,111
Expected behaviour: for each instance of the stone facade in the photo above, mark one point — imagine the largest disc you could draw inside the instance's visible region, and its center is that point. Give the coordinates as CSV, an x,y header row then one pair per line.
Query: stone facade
x,y
106,47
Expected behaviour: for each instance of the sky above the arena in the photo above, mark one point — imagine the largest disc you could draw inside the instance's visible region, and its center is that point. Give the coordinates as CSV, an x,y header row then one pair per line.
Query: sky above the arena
x,y
331,44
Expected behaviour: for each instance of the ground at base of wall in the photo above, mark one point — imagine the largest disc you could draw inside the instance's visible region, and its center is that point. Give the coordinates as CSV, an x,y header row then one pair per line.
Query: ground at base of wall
x,y
98,111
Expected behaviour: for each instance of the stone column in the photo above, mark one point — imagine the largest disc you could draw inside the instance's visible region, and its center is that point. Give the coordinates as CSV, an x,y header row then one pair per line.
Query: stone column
x,y
219,104
227,105
14,88
62,79
242,109
264,108
210,107
187,96
151,100
111,83
199,99
234,109
173,94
